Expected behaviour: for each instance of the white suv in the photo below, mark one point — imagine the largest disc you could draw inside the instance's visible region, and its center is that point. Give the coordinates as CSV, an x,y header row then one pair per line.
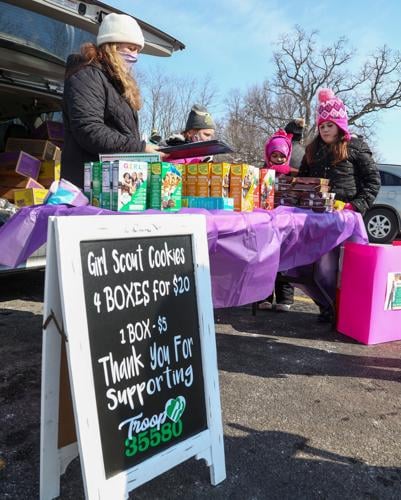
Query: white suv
x,y
383,220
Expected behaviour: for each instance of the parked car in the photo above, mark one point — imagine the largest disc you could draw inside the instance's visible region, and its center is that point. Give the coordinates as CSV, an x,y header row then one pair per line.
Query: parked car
x,y
36,38
383,220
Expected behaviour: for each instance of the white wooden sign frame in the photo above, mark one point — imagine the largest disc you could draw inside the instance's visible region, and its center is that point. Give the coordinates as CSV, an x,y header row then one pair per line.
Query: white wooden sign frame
x,y
64,298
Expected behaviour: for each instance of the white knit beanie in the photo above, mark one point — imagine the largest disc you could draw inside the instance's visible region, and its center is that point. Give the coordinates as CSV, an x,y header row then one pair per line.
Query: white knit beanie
x,y
120,28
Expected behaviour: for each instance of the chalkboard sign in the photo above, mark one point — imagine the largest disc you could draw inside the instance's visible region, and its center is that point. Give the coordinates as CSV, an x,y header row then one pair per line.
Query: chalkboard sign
x,y
140,300
131,296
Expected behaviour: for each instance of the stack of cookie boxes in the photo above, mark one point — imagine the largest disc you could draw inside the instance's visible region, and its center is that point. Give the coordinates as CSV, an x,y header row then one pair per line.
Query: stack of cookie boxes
x,y
237,186
28,166
133,182
305,192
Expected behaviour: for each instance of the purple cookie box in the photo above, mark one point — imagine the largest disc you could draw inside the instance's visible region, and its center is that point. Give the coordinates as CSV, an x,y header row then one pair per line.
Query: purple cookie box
x,y
19,161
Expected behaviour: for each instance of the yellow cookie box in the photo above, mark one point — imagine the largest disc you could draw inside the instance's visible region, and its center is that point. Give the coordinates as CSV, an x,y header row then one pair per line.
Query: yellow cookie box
x,y
192,173
244,179
49,172
30,196
202,180
219,180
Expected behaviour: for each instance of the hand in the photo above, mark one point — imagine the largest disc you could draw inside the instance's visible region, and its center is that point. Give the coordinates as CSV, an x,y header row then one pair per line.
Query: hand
x,y
349,206
155,149
339,205
149,148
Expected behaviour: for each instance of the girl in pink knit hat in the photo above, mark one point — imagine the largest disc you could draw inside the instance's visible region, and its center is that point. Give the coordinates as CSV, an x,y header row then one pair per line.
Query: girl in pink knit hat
x,y
277,157
346,160
278,152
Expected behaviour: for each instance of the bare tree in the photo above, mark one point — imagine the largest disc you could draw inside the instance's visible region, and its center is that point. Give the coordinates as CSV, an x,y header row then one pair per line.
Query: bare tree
x,y
168,100
301,68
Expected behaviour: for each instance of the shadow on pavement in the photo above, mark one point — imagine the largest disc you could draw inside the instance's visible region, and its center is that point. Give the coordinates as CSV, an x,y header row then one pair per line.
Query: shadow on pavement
x,y
22,285
269,464
265,465
267,347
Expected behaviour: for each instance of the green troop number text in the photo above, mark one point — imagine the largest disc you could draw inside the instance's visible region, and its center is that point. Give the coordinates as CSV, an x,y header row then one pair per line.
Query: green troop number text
x,y
152,438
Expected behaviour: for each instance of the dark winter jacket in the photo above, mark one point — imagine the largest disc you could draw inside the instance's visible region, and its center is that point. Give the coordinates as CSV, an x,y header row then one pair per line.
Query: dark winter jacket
x,y
97,119
355,180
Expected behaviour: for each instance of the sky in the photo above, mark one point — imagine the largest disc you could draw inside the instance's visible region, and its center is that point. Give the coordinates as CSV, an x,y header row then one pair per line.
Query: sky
x,y
232,41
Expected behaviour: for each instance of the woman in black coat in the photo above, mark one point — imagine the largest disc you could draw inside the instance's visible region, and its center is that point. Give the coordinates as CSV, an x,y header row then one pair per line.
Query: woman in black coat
x,y
102,98
346,161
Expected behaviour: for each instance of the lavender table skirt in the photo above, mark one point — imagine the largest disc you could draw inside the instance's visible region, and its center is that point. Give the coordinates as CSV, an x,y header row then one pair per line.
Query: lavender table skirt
x,y
246,249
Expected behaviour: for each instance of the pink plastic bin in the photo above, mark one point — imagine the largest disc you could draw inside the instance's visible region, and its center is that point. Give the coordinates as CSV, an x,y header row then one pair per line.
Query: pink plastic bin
x,y
361,313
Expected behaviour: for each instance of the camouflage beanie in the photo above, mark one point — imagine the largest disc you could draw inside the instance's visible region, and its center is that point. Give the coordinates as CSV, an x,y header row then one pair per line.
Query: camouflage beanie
x,y
199,118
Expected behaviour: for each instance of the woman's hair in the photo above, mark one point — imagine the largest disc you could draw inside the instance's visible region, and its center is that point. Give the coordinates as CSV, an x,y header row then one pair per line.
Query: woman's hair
x,y
338,149
114,65
188,134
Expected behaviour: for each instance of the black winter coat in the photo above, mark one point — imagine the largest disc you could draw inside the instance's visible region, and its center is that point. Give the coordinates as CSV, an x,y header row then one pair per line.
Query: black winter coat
x,y
97,119
355,180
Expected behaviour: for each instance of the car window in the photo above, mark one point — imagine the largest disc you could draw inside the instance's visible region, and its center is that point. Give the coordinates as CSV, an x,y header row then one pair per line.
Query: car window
x,y
40,32
389,179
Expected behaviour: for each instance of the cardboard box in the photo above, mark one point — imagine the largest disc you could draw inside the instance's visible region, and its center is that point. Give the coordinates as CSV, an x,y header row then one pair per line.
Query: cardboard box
x,y
132,185
165,191
88,181
219,180
203,180
209,203
7,193
369,279
43,150
114,158
184,178
9,184
50,169
54,131
49,172
19,182
192,173
243,181
146,157
30,196
19,163
106,194
266,190
96,183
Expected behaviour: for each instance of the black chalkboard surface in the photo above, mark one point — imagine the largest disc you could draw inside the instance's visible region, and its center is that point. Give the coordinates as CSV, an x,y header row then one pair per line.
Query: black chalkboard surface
x,y
142,316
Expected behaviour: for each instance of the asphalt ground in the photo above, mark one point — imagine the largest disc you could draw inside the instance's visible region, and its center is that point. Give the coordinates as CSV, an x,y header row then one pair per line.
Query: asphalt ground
x,y
307,412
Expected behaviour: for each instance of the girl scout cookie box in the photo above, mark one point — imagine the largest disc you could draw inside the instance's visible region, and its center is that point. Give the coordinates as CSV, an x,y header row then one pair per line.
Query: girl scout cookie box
x,y
219,180
132,185
266,194
244,180
202,179
165,186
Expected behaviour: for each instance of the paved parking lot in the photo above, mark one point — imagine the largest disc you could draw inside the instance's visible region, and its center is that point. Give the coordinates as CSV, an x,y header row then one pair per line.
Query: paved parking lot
x,y
307,412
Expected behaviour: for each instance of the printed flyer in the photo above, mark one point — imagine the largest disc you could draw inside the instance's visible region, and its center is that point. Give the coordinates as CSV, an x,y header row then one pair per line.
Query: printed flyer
x,y
393,292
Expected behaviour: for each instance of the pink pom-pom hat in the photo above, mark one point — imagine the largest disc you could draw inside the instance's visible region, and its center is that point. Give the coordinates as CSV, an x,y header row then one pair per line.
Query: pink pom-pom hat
x,y
280,141
332,109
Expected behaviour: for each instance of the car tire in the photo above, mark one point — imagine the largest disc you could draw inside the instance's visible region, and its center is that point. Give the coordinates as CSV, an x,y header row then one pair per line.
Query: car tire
x,y
381,225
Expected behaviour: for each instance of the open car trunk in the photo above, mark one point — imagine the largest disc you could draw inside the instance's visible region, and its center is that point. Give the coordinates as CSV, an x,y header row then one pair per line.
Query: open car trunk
x,y
36,37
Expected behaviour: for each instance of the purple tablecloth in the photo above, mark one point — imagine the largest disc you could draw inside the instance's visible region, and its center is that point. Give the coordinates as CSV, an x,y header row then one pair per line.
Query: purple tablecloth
x,y
246,249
